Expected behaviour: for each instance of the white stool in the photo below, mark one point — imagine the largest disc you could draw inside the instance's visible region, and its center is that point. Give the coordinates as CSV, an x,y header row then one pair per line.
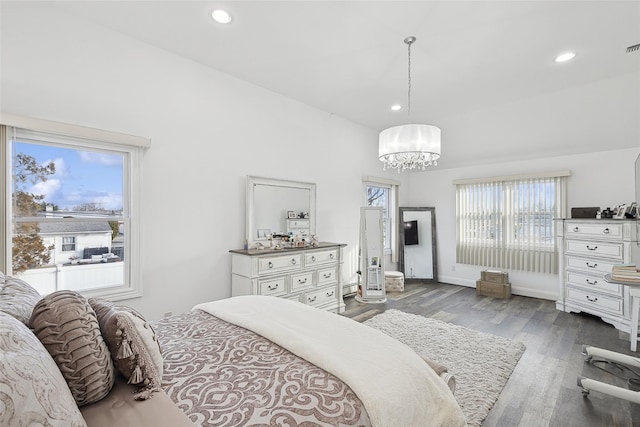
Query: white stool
x,y
394,281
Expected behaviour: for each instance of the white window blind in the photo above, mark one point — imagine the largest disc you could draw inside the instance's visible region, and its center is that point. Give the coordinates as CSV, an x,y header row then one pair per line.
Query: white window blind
x,y
507,222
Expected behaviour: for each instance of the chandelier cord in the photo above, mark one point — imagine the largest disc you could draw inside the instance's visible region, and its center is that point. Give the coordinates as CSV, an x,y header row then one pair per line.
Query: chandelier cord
x,y
409,42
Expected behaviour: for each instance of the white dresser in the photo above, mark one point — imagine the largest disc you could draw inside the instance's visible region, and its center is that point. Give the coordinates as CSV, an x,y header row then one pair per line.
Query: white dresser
x,y
588,250
308,275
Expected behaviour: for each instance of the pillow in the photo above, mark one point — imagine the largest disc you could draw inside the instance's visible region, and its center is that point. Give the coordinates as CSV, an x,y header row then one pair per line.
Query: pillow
x,y
133,345
32,389
67,326
17,298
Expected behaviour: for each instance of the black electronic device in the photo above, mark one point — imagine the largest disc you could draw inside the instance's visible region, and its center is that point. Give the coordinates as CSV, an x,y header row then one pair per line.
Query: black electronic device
x,y
410,233
584,212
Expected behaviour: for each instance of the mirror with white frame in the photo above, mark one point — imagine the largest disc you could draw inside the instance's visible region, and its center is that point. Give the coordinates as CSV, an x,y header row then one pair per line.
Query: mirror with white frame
x,y
417,232
269,201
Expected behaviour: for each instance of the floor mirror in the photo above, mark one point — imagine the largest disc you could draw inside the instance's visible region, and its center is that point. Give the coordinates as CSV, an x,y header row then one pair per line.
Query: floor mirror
x,y
417,232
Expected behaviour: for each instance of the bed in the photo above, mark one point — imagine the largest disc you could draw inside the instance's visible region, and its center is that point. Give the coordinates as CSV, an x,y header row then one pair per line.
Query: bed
x,y
242,361
256,360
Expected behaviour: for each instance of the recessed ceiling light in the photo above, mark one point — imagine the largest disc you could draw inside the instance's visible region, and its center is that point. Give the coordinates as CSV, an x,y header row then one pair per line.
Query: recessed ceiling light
x,y
565,57
396,107
221,16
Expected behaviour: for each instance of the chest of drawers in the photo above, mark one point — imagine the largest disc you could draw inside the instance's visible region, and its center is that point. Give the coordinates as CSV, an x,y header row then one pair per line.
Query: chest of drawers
x,y
589,248
307,275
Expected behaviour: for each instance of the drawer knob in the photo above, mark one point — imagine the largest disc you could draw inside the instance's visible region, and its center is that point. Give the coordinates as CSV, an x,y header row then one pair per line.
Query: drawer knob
x,y
301,281
273,288
576,229
313,258
605,231
591,299
293,261
331,256
327,275
270,264
330,294
592,282
312,299
591,265
592,248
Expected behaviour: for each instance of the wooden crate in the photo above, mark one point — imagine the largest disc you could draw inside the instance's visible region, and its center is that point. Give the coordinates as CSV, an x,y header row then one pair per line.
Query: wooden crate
x,y
495,290
494,276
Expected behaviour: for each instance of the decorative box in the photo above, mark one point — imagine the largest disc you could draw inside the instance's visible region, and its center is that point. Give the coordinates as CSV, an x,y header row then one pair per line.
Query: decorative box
x,y
494,276
495,290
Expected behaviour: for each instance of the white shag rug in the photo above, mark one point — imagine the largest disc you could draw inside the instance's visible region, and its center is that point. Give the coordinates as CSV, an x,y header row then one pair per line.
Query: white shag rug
x,y
481,362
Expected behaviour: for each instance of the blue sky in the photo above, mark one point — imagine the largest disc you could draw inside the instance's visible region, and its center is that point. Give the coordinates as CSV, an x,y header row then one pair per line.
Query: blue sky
x,y
81,176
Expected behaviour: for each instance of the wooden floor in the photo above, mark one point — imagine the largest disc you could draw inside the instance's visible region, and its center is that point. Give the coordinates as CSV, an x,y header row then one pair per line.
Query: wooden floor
x,y
542,390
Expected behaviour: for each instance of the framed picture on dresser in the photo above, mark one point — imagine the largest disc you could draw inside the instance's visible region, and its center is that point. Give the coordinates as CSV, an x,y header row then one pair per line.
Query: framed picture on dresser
x,y
619,214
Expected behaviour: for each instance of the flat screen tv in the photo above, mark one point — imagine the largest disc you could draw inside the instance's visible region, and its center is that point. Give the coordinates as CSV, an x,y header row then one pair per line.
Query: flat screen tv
x,y
410,233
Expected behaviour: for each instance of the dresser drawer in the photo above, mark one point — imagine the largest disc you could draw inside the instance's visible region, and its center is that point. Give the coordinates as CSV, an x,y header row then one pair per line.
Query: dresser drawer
x,y
593,231
327,275
591,283
272,287
301,281
320,257
321,297
598,266
280,263
599,249
596,302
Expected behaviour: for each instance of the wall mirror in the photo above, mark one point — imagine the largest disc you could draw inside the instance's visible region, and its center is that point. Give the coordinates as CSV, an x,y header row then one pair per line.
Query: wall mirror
x,y
269,202
417,232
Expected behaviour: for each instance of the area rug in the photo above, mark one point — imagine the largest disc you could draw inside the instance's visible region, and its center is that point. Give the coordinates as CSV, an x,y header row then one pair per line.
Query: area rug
x,y
481,363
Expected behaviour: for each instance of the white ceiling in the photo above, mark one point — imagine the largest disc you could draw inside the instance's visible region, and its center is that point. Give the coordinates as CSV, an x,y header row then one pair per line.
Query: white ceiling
x,y
481,70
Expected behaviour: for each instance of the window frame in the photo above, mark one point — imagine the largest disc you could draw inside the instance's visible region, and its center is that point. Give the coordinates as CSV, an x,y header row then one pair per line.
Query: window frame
x,y
77,137
393,187
63,244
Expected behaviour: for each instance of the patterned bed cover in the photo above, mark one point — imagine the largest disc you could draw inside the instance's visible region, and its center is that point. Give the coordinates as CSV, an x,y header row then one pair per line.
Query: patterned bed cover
x,y
220,374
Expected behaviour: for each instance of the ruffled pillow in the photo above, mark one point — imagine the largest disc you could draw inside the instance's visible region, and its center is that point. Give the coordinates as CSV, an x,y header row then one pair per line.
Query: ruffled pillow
x,y
133,345
67,326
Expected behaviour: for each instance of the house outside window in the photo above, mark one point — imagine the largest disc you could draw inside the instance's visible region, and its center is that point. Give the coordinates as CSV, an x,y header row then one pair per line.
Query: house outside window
x,y
71,206
382,193
507,222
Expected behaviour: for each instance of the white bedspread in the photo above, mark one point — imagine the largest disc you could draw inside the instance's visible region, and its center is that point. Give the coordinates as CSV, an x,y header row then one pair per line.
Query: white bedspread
x,y
395,385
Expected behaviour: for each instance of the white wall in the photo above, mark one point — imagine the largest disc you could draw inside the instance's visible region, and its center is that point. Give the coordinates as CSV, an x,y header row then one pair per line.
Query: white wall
x,y
208,131
597,179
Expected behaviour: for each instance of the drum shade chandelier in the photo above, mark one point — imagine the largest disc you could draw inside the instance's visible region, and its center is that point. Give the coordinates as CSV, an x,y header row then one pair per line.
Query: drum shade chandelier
x,y
409,146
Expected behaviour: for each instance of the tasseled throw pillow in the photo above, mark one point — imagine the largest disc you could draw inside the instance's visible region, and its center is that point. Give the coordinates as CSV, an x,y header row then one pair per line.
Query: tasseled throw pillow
x,y
67,326
133,345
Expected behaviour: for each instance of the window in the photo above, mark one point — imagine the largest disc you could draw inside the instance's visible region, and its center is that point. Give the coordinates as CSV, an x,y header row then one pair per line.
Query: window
x,y
507,222
68,244
383,193
71,208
